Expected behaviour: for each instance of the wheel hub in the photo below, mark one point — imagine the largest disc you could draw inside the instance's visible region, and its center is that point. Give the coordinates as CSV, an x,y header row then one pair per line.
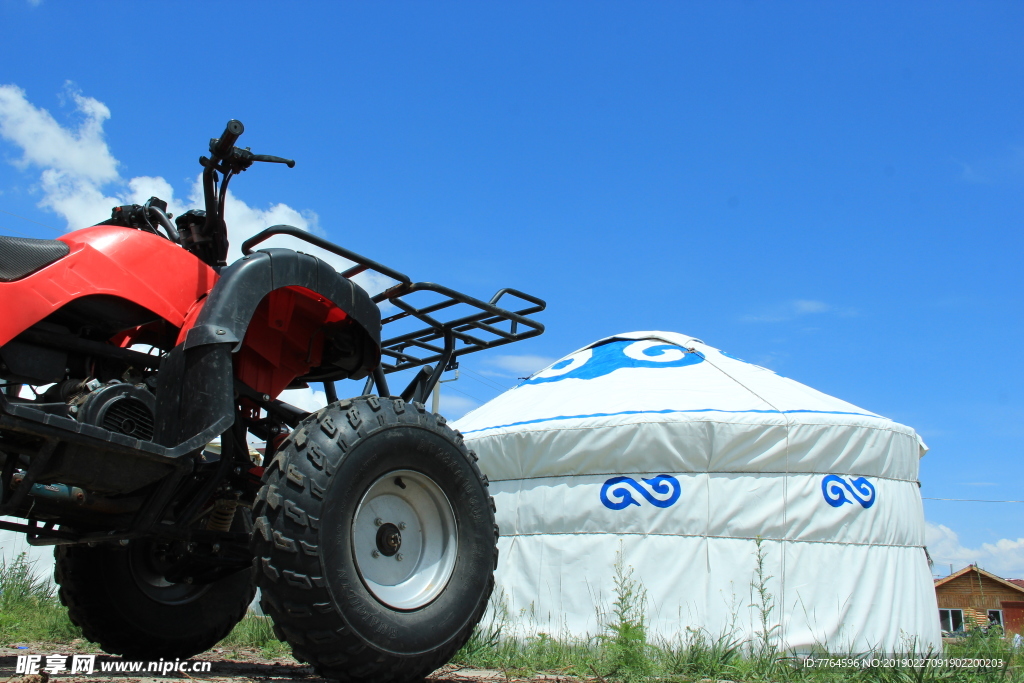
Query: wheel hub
x,y
149,562
389,539
405,539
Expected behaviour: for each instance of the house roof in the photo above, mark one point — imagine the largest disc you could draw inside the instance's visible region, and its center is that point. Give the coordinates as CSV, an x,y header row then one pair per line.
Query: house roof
x,y
1016,584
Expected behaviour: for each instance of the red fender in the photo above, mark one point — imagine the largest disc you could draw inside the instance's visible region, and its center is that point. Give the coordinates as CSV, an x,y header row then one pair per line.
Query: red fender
x,y
284,340
130,264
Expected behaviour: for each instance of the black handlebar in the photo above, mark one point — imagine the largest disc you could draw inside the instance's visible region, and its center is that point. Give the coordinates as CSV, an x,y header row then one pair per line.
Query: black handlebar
x,y
221,147
211,244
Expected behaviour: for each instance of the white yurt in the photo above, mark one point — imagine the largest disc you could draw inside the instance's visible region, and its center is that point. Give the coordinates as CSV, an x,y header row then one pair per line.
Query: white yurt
x,y
691,464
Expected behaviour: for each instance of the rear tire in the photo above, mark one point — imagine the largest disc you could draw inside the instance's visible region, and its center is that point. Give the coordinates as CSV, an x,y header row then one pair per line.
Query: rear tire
x,y
119,601
374,541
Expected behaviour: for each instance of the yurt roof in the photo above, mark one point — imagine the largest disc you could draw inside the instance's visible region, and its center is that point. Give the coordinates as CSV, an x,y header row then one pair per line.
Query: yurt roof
x,y
687,379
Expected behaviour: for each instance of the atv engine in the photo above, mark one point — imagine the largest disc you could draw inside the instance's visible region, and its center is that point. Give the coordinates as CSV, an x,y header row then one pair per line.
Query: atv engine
x,y
119,407
116,406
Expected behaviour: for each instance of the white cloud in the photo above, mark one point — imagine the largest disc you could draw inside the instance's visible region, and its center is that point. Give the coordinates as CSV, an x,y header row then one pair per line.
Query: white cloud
x,y
771,359
521,365
75,160
78,174
1007,167
792,310
801,306
307,399
143,187
80,182
80,152
453,406
1003,558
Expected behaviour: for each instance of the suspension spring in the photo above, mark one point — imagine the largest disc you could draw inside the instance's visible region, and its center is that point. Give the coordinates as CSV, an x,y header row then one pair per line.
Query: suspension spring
x,y
222,516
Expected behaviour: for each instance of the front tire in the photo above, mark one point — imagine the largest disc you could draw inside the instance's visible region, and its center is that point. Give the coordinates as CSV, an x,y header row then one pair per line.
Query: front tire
x,y
374,541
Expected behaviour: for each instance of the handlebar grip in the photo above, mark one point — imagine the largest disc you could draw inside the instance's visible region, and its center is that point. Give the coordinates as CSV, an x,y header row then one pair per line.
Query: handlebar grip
x,y
222,146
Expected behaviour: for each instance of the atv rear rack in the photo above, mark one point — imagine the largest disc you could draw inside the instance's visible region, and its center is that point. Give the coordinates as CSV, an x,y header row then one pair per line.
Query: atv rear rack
x,y
477,331
439,341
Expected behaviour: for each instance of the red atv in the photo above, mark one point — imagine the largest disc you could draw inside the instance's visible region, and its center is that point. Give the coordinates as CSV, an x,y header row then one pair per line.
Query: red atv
x,y
128,349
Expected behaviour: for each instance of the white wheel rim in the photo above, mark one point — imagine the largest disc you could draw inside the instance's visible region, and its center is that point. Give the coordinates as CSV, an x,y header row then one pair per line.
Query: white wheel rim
x,y
405,539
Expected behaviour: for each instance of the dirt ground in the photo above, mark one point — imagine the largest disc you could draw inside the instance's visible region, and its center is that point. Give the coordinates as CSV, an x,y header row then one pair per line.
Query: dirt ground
x,y
227,664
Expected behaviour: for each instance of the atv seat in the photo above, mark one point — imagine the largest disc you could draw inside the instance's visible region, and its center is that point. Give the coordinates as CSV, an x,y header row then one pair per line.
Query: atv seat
x,y
21,256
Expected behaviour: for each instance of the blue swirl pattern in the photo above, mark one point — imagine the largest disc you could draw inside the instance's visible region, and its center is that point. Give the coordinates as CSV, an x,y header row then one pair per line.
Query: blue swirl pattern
x,y
605,359
834,488
619,488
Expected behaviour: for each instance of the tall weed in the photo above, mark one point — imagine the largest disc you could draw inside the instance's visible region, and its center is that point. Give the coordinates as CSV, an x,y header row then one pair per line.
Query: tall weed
x,y
765,648
626,651
29,608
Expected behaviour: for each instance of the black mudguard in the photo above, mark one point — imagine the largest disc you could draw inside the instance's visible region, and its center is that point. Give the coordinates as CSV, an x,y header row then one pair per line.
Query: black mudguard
x,y
243,284
195,394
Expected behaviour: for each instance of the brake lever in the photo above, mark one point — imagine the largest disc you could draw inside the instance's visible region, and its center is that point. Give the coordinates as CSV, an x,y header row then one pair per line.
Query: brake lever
x,y
290,163
240,159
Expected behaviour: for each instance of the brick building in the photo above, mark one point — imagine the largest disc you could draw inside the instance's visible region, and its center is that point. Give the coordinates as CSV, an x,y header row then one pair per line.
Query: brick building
x,y
973,597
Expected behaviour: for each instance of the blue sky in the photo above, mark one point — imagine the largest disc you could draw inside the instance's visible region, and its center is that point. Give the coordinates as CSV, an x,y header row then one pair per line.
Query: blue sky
x,y
832,190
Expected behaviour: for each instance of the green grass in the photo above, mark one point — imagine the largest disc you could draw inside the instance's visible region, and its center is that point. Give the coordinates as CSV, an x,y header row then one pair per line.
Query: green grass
x,y
255,631
622,651
31,612
701,655
29,608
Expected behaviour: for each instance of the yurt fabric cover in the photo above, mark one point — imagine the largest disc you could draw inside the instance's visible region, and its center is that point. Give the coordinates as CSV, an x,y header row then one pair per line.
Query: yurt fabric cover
x,y
679,456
